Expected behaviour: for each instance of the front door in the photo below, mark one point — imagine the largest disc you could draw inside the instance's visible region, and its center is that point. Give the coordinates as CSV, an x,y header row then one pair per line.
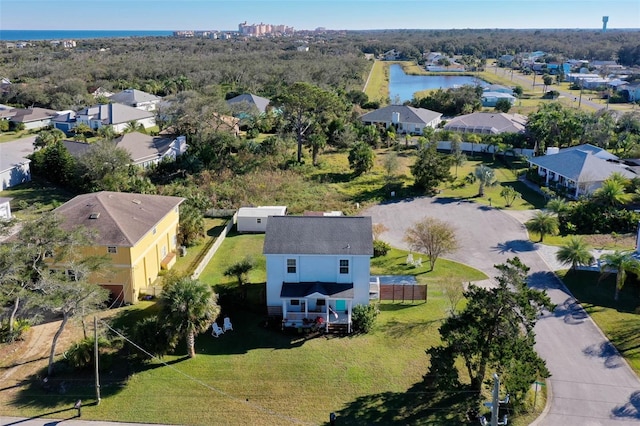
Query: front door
x,y
341,305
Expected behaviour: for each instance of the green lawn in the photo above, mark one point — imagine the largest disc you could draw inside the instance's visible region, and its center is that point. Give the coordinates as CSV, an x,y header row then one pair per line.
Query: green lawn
x,y
37,194
256,375
378,84
505,176
619,320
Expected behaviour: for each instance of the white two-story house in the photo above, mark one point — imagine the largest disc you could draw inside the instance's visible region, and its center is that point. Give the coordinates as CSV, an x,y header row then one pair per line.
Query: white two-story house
x,y
317,267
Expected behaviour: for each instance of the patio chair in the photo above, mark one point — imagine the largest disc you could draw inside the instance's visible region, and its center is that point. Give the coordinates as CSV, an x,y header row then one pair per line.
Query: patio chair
x,y
216,331
227,324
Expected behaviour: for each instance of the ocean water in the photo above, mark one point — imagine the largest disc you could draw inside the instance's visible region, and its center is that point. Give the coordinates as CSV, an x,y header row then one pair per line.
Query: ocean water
x,y
29,35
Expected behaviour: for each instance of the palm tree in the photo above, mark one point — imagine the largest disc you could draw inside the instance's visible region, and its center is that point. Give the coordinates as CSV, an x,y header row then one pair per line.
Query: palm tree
x,y
612,193
622,262
473,139
576,252
106,132
557,205
134,126
543,224
190,307
485,177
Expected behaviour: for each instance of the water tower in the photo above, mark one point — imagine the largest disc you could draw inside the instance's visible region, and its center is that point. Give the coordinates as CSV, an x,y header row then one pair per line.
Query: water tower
x,y
605,19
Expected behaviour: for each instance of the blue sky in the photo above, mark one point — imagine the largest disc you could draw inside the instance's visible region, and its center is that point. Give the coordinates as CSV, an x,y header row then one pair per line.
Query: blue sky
x,y
310,14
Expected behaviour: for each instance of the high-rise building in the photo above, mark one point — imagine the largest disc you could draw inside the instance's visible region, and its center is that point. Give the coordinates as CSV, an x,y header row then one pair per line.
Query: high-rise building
x,y
605,19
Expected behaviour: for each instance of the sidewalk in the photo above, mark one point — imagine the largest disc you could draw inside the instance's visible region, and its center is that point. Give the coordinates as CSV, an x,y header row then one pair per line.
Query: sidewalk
x,y
70,421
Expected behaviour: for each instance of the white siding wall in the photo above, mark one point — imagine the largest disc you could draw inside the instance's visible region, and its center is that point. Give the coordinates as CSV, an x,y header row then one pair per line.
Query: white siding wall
x,y
311,268
250,223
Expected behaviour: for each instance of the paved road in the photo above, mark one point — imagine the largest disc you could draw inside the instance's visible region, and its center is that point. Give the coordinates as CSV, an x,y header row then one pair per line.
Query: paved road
x,y
590,384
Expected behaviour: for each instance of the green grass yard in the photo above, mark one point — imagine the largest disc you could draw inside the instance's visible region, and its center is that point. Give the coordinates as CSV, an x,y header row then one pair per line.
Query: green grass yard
x,y
619,320
258,375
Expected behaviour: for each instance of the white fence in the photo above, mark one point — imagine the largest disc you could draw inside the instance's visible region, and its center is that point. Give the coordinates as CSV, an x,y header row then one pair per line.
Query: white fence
x,y
216,245
467,147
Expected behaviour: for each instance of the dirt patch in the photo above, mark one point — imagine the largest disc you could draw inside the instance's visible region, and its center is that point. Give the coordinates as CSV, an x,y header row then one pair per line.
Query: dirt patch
x,y
609,241
22,361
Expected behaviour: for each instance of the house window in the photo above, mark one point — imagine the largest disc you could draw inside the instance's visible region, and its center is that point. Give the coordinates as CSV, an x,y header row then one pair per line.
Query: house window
x,y
344,266
164,251
112,250
291,266
321,302
295,302
258,220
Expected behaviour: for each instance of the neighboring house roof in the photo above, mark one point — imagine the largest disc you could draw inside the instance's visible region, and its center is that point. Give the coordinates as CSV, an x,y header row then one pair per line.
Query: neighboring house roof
x,y
259,102
580,165
325,235
140,147
64,117
32,114
114,113
118,218
497,95
15,153
133,97
488,123
597,151
407,114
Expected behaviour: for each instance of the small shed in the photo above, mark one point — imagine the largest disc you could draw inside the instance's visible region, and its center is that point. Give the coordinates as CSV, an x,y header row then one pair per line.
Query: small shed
x,y
254,219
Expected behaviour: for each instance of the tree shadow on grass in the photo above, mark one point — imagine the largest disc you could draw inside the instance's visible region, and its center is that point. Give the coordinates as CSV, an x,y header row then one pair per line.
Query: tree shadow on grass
x,y
591,289
402,329
419,405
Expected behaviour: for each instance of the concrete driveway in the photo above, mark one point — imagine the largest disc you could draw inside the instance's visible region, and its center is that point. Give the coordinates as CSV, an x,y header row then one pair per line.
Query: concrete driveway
x,y
590,384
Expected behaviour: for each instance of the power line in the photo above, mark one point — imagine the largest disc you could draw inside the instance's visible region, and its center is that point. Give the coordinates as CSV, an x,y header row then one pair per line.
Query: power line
x,y
200,382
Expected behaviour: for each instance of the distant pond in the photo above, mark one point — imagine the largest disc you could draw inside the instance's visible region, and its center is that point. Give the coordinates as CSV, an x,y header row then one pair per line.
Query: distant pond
x,y
403,86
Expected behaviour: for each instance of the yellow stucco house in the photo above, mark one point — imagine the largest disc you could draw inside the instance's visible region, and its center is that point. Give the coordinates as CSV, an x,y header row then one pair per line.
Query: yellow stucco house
x,y
138,232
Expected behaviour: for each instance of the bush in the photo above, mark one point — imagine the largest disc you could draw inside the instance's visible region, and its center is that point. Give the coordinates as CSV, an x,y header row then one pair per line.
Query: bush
x,y
380,248
153,334
364,318
19,327
80,356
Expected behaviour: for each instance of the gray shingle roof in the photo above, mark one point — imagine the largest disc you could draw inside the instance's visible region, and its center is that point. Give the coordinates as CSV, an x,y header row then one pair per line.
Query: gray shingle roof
x,y
15,152
325,235
305,289
259,102
122,218
143,147
488,123
407,115
115,113
25,115
133,97
580,166
140,147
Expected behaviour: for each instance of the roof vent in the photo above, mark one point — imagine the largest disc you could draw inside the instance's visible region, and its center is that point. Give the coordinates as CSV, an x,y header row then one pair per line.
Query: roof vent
x,y
94,215
136,201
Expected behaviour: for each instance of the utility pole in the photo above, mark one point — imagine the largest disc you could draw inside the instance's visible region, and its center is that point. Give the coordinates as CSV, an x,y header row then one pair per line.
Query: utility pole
x,y
96,356
495,403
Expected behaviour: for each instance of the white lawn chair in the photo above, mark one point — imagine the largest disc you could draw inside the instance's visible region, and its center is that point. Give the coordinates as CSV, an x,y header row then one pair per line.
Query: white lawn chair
x,y
418,263
227,324
216,331
409,259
